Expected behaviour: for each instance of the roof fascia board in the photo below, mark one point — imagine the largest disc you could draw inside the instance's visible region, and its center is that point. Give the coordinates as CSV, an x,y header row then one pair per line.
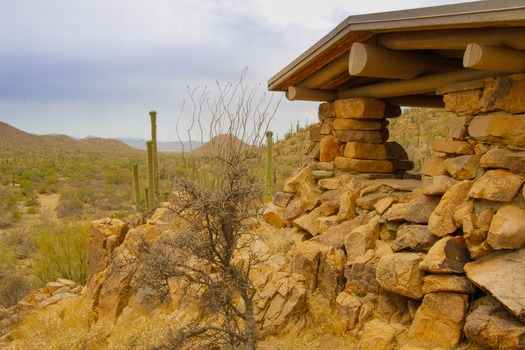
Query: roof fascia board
x,y
464,15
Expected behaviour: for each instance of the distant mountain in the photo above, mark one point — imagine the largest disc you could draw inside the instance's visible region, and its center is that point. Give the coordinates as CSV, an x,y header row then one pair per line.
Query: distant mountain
x,y
11,137
220,144
162,145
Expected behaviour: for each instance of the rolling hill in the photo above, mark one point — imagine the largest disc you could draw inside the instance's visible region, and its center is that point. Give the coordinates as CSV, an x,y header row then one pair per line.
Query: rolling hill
x,y
11,137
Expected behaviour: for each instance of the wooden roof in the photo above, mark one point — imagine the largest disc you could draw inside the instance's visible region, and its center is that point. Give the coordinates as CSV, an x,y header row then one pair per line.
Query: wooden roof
x,y
404,56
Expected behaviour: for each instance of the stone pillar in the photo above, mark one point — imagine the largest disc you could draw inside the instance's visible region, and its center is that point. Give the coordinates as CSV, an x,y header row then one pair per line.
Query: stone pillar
x,y
352,136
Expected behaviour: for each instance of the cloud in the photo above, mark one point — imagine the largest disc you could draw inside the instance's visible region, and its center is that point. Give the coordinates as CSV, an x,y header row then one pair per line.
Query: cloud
x,y
98,67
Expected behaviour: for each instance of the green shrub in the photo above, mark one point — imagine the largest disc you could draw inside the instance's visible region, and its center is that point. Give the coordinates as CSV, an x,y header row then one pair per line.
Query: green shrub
x,y
60,252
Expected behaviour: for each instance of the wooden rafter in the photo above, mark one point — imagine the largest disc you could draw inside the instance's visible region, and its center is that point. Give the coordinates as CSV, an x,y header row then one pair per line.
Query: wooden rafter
x,y
486,57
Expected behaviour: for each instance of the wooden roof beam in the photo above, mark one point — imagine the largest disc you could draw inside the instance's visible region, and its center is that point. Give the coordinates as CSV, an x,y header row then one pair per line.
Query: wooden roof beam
x,y
295,93
453,39
485,57
376,61
421,85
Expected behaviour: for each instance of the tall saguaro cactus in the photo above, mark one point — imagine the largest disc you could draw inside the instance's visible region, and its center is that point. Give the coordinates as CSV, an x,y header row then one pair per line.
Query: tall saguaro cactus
x,y
153,118
151,177
136,187
269,165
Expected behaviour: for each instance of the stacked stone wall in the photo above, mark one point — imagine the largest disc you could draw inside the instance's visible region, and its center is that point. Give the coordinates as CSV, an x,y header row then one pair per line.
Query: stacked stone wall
x,y
432,262
353,134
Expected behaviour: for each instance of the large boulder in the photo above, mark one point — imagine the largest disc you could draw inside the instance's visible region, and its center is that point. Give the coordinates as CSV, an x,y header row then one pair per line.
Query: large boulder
x,y
440,319
441,222
501,274
399,273
499,127
507,229
448,255
491,326
497,185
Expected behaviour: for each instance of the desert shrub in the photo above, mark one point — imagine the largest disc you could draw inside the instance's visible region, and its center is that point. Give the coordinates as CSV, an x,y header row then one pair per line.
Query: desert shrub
x,y
68,325
71,203
13,285
60,252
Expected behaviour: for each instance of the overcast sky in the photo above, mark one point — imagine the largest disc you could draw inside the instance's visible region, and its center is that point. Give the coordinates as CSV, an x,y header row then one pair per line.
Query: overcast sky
x,y
98,67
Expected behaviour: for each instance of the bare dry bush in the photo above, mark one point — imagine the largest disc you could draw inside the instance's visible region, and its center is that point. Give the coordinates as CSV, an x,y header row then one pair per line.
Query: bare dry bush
x,y
213,254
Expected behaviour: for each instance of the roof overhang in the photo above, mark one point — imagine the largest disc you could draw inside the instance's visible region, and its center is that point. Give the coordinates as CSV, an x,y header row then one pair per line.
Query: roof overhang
x,y
405,56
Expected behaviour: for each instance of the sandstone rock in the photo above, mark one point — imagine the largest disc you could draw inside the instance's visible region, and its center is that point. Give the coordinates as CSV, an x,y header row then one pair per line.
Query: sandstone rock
x,y
309,222
348,308
326,222
363,166
326,110
441,221
434,166
330,274
51,287
322,174
356,124
399,273
447,283
463,167
440,319
330,148
501,274
325,166
436,185
105,236
463,103
314,132
448,255
453,147
502,158
475,230
359,108
507,229
305,261
293,211
335,236
456,128
394,309
57,298
497,185
362,238
329,184
310,196
347,205
414,237
500,127
282,305
295,183
326,127
504,94
377,335
360,275
491,326
368,201
419,209
397,212
329,208
383,204
274,215
365,151
359,136
282,199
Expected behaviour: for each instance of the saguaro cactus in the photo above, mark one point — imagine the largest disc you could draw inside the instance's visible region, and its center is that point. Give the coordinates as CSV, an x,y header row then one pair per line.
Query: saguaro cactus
x,y
269,165
153,118
136,187
151,177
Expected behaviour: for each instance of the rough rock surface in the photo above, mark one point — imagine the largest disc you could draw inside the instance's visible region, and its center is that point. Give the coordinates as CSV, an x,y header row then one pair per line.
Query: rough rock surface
x,y
440,319
501,274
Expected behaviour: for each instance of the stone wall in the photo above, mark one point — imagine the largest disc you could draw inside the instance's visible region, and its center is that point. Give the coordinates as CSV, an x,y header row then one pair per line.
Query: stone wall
x,y
425,261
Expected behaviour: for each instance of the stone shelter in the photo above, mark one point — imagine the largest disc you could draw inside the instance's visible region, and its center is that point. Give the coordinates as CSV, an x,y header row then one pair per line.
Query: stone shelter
x,y
437,257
